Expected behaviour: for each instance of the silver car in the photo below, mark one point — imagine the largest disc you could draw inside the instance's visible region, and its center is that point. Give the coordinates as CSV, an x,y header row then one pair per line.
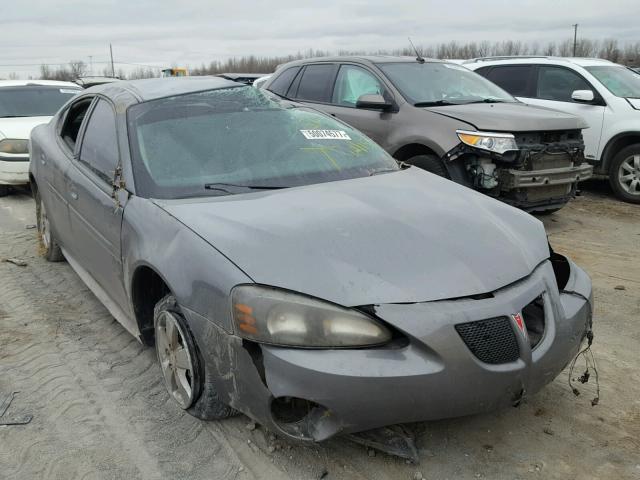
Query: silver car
x,y
287,267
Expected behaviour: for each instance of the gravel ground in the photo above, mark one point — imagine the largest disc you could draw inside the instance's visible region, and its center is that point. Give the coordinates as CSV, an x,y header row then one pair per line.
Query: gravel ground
x,y
100,410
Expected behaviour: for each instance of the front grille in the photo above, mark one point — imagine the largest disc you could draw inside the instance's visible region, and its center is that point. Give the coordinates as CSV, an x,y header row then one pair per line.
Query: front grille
x,y
491,341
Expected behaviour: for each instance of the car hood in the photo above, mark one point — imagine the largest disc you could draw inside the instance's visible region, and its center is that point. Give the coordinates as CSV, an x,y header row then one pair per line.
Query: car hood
x,y
401,237
20,127
510,117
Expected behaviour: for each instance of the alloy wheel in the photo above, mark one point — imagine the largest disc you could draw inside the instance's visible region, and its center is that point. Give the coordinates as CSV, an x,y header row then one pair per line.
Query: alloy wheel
x,y
629,174
45,228
175,359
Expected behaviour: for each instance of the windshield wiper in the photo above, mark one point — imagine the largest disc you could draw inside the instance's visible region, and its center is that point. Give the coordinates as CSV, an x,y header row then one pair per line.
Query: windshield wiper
x,y
17,116
489,100
223,187
435,103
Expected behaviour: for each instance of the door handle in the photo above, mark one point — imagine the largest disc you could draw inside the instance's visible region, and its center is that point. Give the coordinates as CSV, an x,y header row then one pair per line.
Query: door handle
x,y
74,195
43,158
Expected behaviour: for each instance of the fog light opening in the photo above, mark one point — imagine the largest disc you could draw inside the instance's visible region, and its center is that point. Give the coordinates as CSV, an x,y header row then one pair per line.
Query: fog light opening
x,y
297,417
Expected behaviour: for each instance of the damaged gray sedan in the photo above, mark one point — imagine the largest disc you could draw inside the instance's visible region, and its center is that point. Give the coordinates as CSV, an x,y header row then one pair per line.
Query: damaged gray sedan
x,y
286,267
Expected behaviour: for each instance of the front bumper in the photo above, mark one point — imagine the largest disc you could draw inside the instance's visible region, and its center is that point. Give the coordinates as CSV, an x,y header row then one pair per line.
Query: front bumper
x,y
14,171
433,376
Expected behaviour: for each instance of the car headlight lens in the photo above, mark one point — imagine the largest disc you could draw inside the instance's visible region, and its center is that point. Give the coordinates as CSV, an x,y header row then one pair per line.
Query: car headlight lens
x,y
492,142
278,317
10,145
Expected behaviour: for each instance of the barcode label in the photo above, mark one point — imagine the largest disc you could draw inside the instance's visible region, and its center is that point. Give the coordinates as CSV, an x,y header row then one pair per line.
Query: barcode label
x,y
325,135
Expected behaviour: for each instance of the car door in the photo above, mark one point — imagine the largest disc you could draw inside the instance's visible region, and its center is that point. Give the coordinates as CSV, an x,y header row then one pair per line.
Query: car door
x,y
96,217
54,163
353,81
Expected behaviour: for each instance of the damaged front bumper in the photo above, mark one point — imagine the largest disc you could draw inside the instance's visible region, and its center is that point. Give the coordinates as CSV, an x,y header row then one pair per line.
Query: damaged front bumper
x,y
434,373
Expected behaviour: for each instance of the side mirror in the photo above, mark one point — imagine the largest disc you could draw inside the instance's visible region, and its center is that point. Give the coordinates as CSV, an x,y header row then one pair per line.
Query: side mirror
x,y
583,95
373,102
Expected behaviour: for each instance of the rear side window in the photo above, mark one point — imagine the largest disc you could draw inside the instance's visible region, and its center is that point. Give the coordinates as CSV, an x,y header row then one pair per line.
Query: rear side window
x,y
281,84
73,121
557,83
316,83
515,79
100,143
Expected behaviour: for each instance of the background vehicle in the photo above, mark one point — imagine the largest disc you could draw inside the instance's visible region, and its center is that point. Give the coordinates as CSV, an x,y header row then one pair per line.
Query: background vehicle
x,y
174,72
246,78
448,120
23,105
201,242
259,83
89,81
604,94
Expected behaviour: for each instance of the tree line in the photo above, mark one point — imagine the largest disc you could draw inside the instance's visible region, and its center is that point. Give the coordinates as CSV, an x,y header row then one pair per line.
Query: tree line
x,y
610,49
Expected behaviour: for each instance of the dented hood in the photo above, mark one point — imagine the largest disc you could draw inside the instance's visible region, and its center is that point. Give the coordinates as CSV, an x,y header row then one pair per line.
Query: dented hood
x,y
510,117
407,236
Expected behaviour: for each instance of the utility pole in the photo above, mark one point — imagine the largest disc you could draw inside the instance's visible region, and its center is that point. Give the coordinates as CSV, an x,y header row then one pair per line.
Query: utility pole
x,y
113,72
575,38
90,64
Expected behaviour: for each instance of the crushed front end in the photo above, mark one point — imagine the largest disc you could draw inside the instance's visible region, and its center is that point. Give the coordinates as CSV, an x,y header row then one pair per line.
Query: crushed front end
x,y
539,172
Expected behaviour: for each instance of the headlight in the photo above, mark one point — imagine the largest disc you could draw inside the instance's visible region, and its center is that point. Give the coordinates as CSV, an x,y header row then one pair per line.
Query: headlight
x,y
278,317
13,146
492,142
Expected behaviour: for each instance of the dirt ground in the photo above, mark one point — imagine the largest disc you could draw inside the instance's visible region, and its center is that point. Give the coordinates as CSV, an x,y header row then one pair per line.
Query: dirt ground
x,y
101,411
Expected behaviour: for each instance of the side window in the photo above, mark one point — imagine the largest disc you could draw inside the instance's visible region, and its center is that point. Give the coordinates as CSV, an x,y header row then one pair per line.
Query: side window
x,y
316,83
99,149
353,82
73,121
281,84
557,83
515,79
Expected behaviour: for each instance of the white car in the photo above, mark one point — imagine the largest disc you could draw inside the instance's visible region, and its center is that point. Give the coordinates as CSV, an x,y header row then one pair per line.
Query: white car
x,y
261,81
25,104
606,95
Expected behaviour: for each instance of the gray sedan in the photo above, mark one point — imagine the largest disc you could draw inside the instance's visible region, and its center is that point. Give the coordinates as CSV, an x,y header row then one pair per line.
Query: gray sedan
x,y
286,267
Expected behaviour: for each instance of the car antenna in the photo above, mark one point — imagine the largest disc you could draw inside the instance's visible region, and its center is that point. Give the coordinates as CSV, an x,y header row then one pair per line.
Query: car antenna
x,y
419,58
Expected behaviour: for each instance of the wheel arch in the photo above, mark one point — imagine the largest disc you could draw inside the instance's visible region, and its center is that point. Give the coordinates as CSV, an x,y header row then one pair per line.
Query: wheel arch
x,y
411,150
147,288
614,145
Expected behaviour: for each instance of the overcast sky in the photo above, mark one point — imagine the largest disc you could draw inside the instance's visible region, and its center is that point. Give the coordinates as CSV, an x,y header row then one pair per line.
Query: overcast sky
x,y
189,32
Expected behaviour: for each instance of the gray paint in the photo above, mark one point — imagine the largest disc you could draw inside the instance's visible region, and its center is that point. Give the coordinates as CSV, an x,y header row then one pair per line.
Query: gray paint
x,y
404,242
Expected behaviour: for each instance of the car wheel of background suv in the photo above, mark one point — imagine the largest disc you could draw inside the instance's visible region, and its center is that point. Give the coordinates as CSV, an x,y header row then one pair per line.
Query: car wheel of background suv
x,y
430,163
624,174
185,374
48,244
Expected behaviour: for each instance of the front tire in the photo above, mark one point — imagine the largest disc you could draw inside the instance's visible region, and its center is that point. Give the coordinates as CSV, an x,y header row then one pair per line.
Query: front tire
x,y
48,243
430,163
184,372
624,174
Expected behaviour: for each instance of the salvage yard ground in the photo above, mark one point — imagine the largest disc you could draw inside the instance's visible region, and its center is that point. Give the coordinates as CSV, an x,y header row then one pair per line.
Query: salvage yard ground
x,y
100,409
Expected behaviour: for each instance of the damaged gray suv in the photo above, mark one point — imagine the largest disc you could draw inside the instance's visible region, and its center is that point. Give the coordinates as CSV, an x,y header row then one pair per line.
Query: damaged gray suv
x,y
443,118
286,267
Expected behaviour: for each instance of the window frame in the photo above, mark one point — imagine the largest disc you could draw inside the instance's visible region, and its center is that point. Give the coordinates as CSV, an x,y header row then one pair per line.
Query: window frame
x,y
597,98
63,120
298,68
388,94
84,166
298,80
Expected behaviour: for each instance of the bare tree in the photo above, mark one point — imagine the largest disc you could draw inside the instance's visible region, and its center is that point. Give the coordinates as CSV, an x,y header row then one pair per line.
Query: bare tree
x,y
77,68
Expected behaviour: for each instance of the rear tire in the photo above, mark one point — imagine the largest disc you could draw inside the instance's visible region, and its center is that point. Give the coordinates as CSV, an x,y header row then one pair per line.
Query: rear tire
x,y
187,377
4,190
430,163
624,174
49,246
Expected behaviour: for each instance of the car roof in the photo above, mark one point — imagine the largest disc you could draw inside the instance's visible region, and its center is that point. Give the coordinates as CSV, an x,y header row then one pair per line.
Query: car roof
x,y
581,61
155,88
375,59
22,83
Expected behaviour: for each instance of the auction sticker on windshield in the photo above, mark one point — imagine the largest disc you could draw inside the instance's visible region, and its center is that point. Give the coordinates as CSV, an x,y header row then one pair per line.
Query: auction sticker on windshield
x,y
325,135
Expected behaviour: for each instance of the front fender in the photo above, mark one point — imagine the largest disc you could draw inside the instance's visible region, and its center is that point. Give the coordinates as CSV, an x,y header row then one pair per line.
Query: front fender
x,y
199,276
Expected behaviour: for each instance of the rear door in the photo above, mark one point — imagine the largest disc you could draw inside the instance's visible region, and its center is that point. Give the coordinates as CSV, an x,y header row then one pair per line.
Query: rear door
x,y
96,217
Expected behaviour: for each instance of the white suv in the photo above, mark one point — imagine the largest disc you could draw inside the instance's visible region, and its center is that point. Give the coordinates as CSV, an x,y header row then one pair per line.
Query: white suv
x,y
606,95
23,105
